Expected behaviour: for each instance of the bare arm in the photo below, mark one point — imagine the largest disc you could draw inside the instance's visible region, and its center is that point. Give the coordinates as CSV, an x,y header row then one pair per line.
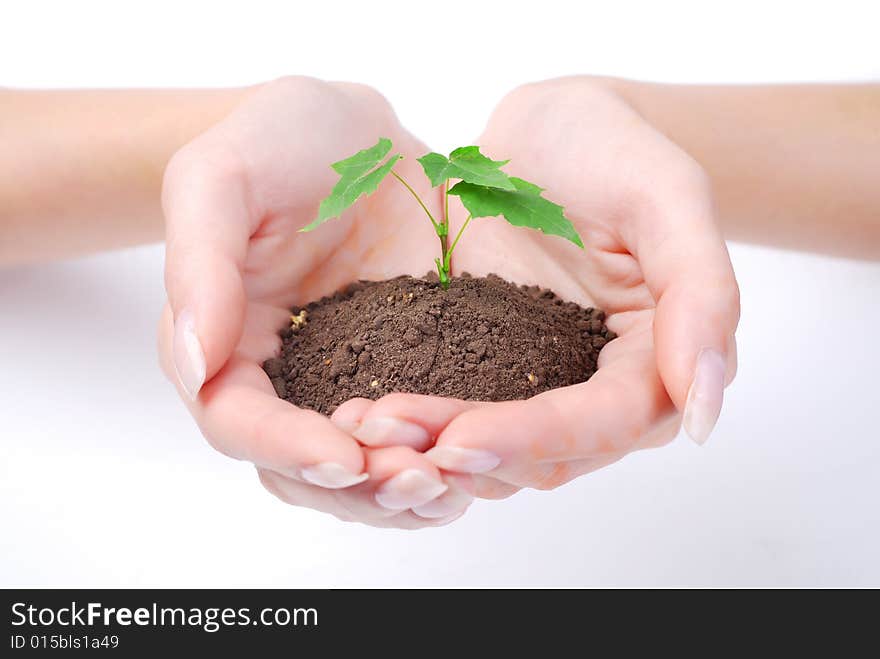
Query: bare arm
x,y
82,170
791,165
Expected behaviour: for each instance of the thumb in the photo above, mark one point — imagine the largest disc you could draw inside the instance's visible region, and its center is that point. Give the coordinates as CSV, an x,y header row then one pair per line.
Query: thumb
x,y
687,268
207,232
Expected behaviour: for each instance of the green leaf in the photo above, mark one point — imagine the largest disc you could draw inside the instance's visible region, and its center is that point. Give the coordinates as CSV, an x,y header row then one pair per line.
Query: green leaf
x,y
359,175
468,164
523,207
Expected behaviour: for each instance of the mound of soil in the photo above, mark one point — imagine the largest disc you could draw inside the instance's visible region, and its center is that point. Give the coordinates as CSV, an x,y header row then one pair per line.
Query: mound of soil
x,y
483,339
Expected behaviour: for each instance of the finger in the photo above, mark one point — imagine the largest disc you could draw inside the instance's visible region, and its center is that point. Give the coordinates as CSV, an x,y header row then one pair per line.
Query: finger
x,y
486,487
304,495
164,341
208,224
297,493
241,416
401,419
258,340
661,435
687,268
454,500
348,415
554,475
400,479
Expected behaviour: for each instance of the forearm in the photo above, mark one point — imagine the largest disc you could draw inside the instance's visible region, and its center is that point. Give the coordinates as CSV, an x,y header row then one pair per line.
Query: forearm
x,y
81,171
791,165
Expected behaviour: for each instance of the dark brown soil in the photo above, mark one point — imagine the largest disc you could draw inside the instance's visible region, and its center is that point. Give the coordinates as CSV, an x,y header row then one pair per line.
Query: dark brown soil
x,y
483,339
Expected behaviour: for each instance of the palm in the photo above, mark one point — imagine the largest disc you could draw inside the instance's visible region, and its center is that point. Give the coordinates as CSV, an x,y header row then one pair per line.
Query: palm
x,y
384,235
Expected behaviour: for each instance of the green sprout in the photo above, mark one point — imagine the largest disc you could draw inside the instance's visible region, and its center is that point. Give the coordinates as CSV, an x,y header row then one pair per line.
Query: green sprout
x,y
483,189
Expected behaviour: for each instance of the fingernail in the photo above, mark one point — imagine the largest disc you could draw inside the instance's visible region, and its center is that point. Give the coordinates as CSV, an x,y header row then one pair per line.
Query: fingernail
x,y
387,431
731,362
705,395
331,475
443,521
345,425
189,358
450,502
409,489
468,460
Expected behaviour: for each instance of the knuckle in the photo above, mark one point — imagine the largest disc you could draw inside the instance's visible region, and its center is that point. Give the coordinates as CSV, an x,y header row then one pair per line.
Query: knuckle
x,y
552,93
518,103
366,94
531,91
299,85
524,92
391,402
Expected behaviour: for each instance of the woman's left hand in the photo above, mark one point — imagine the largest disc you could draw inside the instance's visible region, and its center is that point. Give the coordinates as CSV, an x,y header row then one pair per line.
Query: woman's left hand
x,y
654,260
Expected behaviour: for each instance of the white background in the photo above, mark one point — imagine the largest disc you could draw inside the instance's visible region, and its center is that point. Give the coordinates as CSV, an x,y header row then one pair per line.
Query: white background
x,y
104,480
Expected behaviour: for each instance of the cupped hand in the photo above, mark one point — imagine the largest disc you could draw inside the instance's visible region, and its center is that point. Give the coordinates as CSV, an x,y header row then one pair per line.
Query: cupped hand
x,y
235,263
654,261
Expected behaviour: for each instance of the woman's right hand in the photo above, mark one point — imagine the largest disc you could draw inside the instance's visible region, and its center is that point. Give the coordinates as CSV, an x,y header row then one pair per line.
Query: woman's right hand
x,y
234,199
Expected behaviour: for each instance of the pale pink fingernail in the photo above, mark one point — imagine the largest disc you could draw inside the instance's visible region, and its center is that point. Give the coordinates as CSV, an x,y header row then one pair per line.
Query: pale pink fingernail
x,y
331,475
409,489
189,358
731,365
443,521
450,502
346,425
705,395
388,431
467,460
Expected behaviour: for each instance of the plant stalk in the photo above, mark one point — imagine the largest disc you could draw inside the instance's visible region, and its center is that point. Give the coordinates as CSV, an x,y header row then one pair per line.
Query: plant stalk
x,y
443,263
441,228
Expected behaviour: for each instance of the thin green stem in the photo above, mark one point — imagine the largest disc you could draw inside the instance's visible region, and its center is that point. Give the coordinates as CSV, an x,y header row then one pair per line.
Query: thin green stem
x,y
418,199
444,241
444,234
448,258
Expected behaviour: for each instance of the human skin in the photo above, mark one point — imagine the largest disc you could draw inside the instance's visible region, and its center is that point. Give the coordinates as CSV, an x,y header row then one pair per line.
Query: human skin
x,y
654,259
82,169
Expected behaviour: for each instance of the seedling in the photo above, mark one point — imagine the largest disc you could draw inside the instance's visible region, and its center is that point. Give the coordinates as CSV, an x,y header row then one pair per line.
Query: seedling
x,y
483,189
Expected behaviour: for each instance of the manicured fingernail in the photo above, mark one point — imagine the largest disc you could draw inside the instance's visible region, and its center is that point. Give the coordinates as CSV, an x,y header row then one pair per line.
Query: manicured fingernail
x,y
189,358
388,431
345,425
331,475
409,489
705,395
443,521
450,502
731,365
468,460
